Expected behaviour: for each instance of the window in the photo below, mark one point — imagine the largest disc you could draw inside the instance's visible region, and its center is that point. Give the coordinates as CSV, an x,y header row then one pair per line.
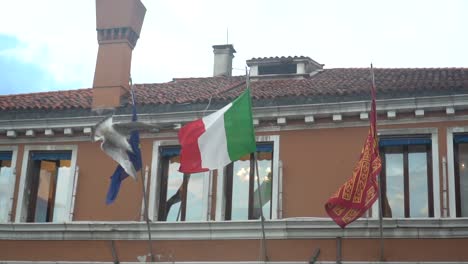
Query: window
x,y
175,196
182,197
7,181
286,68
407,180
47,184
237,189
243,195
460,148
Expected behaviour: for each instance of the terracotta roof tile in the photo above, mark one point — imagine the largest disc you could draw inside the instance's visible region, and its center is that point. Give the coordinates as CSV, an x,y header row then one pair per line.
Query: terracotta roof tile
x,y
81,98
187,90
340,82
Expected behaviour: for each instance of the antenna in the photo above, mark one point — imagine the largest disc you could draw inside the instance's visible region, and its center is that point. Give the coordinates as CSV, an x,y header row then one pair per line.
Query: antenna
x,y
227,35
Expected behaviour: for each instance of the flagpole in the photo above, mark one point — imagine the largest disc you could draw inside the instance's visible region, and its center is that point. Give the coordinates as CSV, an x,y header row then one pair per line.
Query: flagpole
x,y
262,219
143,188
379,177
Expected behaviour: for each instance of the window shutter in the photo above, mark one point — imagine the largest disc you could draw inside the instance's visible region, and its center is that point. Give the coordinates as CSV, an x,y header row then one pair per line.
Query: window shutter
x,y
72,200
51,155
387,142
169,151
6,155
142,211
461,138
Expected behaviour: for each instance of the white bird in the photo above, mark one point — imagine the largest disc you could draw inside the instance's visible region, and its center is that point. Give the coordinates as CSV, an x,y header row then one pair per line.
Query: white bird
x,y
115,143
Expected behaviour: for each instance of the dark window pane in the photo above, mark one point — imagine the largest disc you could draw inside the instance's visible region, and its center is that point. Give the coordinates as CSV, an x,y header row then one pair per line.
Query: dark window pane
x,y
44,193
174,182
463,177
277,69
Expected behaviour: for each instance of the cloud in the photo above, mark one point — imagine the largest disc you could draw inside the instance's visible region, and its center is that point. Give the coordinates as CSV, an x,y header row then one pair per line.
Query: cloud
x,y
53,36
18,75
59,36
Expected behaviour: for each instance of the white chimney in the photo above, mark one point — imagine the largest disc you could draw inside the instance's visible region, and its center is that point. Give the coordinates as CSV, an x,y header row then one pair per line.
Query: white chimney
x,y
223,55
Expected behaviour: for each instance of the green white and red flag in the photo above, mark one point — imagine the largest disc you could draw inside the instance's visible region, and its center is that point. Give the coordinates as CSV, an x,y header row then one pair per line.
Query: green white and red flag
x,y
218,139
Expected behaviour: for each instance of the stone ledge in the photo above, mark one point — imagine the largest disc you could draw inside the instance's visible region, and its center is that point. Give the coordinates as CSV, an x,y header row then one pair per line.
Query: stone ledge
x,y
292,228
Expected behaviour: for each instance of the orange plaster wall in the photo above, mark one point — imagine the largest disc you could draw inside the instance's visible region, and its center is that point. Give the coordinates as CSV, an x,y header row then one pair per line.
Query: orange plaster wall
x,y
95,173
95,170
315,163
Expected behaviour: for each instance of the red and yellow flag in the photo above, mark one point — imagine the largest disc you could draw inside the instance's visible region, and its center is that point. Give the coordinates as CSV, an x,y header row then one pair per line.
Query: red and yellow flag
x,y
358,194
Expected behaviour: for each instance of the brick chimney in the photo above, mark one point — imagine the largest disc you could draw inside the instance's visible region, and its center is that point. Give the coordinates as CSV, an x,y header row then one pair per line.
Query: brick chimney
x,y
118,24
223,55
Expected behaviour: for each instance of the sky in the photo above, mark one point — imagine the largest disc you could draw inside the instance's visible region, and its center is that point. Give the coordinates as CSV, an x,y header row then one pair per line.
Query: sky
x,y
48,45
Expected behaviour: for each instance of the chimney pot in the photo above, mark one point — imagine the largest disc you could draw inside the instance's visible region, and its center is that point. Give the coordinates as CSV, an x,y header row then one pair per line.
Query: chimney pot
x,y
223,55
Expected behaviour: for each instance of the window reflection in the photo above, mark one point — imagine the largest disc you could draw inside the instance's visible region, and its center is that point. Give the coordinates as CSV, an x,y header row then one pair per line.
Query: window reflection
x,y
182,197
244,197
262,195
240,190
462,178
395,184
6,188
64,180
463,172
406,178
418,185
174,195
50,180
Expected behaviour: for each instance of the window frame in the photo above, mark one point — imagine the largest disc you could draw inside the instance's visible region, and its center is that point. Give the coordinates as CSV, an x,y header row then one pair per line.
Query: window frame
x,y
405,151
14,156
449,169
434,153
22,203
275,192
155,186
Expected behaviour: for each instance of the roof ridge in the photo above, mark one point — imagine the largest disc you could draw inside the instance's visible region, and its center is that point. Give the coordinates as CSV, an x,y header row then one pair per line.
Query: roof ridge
x,y
232,87
209,77
398,68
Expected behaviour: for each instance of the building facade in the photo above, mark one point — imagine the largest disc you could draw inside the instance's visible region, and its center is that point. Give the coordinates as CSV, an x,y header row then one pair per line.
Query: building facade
x,y
310,124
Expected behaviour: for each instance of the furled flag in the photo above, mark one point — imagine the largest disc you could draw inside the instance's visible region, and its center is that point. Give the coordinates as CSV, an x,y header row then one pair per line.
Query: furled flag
x,y
134,156
358,194
214,141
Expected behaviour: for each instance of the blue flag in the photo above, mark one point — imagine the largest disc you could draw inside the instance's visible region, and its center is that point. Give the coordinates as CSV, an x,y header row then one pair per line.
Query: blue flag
x,y
135,157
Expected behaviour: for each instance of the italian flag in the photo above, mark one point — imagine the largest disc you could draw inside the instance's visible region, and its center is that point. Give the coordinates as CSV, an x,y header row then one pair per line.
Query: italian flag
x,y
216,140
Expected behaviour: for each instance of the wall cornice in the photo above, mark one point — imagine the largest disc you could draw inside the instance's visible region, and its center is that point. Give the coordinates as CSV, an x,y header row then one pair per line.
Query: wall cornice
x,y
308,112
295,228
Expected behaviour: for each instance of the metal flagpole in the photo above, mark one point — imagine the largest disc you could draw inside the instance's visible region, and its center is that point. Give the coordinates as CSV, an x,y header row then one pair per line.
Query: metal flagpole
x,y
262,219
150,241
379,178
143,188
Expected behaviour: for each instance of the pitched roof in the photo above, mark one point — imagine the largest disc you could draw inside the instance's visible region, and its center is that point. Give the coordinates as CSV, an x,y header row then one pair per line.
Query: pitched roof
x,y
81,98
343,83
